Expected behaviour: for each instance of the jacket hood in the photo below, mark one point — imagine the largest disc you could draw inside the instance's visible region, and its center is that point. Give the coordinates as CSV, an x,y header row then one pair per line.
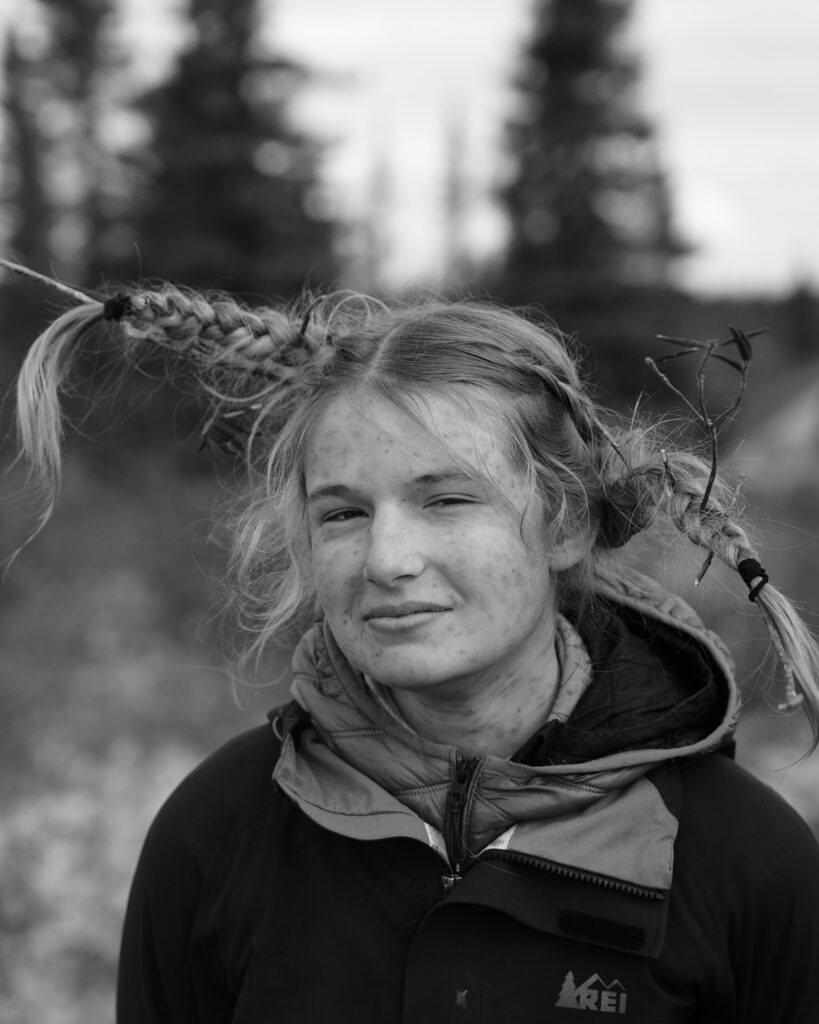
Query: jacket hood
x,y
651,687
657,687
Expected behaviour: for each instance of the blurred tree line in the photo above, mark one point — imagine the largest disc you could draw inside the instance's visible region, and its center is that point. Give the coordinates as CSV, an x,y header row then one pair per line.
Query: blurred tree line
x,y
593,237
205,179
201,179
592,231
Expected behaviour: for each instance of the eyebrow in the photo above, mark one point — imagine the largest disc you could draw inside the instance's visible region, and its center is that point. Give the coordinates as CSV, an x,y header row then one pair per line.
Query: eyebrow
x,y
443,475
327,491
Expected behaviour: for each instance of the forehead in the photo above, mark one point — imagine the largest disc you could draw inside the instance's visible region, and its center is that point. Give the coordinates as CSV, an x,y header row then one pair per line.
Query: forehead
x,y
364,430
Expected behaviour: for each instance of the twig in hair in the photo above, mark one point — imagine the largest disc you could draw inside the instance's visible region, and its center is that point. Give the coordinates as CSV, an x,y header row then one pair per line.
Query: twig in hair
x,y
709,422
710,350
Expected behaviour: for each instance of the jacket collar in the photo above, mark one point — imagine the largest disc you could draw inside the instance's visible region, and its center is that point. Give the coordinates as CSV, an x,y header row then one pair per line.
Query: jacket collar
x,y
359,771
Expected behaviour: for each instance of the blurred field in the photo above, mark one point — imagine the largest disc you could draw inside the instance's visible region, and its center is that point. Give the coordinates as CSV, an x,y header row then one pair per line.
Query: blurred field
x,y
112,687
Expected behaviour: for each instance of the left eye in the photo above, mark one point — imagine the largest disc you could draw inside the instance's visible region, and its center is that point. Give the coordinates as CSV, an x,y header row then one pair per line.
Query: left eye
x,y
450,500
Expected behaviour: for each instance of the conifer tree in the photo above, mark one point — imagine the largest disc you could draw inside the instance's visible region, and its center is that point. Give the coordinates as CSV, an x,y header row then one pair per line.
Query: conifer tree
x,y
58,84
27,207
227,195
57,80
83,67
588,202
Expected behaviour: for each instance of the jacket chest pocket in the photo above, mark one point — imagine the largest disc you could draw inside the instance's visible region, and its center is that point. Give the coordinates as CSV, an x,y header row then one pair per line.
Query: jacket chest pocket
x,y
475,965
517,943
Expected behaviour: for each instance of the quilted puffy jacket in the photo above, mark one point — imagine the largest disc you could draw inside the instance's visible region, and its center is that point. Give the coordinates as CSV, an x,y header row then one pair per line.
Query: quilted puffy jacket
x,y
335,866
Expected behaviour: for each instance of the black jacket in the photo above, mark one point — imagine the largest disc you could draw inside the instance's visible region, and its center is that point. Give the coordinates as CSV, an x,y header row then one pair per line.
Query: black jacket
x,y
316,881
243,910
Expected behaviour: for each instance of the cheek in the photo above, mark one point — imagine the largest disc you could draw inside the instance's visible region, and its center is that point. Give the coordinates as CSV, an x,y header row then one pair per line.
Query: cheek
x,y
514,579
335,572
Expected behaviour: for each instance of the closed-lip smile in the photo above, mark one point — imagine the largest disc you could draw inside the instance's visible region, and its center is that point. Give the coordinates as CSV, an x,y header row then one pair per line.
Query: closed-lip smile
x,y
396,611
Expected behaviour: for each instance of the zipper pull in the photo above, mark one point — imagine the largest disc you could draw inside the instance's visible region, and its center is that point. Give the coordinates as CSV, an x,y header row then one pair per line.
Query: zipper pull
x,y
455,823
461,778
448,881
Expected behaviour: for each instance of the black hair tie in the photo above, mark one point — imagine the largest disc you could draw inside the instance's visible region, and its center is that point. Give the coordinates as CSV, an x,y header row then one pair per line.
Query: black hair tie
x,y
749,569
116,307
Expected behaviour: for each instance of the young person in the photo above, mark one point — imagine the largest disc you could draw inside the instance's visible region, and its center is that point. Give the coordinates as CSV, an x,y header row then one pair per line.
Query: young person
x,y
503,790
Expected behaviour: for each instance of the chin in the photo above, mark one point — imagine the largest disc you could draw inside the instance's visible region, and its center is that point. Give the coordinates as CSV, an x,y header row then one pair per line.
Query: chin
x,y
415,677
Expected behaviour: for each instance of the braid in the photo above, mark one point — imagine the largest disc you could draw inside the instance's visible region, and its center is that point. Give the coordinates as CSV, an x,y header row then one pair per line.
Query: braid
x,y
714,529
215,331
244,362
579,406
710,528
675,484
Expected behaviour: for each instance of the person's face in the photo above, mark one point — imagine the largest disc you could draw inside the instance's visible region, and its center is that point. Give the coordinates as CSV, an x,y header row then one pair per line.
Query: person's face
x,y
425,577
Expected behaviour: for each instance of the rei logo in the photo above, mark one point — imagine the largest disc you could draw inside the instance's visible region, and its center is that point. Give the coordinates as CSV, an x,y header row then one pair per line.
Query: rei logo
x,y
593,994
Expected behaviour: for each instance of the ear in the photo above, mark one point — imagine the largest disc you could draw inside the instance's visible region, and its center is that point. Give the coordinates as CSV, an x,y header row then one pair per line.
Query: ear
x,y
569,551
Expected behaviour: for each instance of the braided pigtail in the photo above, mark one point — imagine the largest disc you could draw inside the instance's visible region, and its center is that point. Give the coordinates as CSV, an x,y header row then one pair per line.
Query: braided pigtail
x,y
704,510
713,528
246,363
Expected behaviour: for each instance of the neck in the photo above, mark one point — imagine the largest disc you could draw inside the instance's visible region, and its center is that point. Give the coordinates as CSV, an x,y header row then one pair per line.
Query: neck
x,y
487,717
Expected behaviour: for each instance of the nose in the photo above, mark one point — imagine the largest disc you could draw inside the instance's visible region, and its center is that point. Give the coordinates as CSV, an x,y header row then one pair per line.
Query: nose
x,y
394,547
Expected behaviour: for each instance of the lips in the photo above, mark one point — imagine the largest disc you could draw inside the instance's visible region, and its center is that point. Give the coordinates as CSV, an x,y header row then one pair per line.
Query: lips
x,y
397,611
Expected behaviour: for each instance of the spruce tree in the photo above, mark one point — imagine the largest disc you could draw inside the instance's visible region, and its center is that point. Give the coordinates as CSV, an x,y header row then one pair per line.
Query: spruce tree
x,y
26,203
58,86
84,67
56,83
588,202
26,207
227,188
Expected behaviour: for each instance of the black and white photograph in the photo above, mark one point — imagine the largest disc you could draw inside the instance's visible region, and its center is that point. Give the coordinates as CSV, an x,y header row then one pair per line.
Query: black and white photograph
x,y
409,506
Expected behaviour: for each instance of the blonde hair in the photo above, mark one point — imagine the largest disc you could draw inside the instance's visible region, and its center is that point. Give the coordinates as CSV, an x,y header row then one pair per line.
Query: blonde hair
x,y
267,375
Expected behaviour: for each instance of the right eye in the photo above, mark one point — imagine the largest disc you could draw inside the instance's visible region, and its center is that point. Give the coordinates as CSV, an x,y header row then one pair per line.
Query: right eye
x,y
342,515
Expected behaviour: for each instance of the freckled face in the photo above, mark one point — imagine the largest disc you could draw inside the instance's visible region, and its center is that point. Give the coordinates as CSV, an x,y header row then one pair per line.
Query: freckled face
x,y
425,581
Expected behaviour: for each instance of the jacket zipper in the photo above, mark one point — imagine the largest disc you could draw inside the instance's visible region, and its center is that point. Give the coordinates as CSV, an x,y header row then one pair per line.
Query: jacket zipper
x,y
577,874
456,816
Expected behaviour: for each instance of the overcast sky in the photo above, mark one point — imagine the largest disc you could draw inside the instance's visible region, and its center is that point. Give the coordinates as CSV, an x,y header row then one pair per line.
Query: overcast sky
x,y
733,86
